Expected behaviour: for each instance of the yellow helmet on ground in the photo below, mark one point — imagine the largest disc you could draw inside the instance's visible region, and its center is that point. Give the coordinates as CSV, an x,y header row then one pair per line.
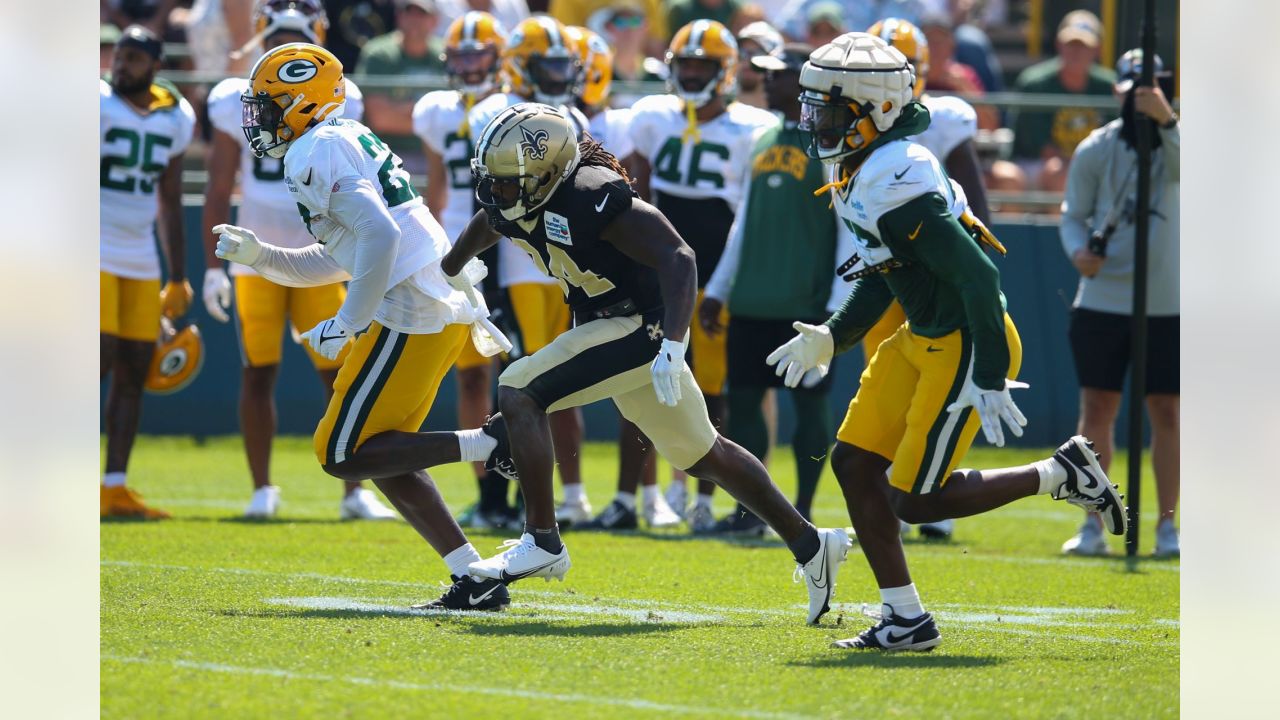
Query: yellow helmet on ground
x,y
596,58
291,88
177,361
541,61
521,157
473,46
306,17
910,41
710,46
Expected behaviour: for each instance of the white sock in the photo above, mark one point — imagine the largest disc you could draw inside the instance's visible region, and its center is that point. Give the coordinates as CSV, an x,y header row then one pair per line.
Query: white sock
x,y
460,558
649,493
905,600
574,493
1052,475
703,500
628,500
475,445
113,479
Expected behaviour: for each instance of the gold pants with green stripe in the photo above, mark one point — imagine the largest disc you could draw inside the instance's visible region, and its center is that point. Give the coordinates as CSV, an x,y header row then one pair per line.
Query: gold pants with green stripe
x,y
388,382
900,411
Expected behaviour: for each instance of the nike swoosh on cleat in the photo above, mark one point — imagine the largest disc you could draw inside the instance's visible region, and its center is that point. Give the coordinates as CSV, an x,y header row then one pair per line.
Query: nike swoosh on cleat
x,y
477,600
508,577
890,637
820,582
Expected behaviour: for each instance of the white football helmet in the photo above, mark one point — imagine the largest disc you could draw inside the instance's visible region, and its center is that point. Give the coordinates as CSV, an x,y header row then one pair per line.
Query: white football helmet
x,y
852,89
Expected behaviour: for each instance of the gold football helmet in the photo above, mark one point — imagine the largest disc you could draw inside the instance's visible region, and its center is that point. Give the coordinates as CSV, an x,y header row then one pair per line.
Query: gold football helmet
x,y
703,61
177,361
291,88
597,65
522,156
473,45
541,61
910,41
301,16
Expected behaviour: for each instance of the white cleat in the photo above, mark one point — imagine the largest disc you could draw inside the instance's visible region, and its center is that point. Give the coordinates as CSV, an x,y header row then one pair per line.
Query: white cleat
x,y
523,559
658,514
677,497
820,572
570,512
362,504
1087,485
264,503
1089,542
940,530
1167,545
701,519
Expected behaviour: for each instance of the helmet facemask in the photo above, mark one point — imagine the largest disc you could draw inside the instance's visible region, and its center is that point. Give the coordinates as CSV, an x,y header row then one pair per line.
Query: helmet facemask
x,y
698,87
471,69
837,127
262,120
554,80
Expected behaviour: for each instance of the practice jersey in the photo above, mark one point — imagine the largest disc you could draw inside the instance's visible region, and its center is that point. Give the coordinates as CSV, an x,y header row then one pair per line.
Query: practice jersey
x,y
514,266
951,122
698,183
266,207
134,150
440,121
332,157
612,129
564,242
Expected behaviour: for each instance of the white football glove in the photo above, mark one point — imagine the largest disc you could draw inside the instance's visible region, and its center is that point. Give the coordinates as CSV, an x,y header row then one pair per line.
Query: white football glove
x,y
237,244
466,280
666,370
217,293
994,407
329,337
812,349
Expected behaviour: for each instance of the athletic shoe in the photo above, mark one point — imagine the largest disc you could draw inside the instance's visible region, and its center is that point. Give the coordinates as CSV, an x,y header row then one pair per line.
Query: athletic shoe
x,y
500,459
571,513
894,633
742,524
468,593
1167,540
362,504
523,559
1087,485
1089,542
264,503
940,530
120,502
615,516
701,519
658,514
677,497
819,573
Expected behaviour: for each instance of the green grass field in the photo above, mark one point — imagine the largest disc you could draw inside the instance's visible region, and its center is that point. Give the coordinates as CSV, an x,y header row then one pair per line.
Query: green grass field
x,y
207,615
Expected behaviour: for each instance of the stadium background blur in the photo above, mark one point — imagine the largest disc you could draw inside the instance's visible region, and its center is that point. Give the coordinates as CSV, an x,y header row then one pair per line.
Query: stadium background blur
x,y
986,51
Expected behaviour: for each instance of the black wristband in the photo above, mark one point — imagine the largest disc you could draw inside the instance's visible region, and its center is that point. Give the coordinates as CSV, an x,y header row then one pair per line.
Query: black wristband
x,y
1171,123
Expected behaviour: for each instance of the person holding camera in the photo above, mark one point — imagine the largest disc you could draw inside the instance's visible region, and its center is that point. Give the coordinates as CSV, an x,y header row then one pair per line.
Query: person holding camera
x,y
1098,236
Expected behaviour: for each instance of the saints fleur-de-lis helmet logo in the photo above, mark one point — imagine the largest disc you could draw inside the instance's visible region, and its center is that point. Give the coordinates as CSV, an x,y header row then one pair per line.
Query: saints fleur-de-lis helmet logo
x,y
534,144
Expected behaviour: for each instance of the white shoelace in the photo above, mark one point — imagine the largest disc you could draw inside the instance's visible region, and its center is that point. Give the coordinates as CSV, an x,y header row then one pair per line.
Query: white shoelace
x,y
515,548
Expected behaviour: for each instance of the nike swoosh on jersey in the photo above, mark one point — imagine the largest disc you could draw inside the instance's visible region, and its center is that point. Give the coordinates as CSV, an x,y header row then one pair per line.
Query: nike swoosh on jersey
x,y
898,176
477,600
600,207
310,171
913,234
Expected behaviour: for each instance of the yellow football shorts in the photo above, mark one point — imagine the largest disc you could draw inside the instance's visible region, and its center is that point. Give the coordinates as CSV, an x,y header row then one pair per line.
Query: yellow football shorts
x,y
128,309
900,411
710,355
262,307
388,382
470,357
883,330
541,313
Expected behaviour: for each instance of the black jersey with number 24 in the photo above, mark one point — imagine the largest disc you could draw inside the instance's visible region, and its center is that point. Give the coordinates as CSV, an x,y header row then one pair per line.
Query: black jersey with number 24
x,y
565,243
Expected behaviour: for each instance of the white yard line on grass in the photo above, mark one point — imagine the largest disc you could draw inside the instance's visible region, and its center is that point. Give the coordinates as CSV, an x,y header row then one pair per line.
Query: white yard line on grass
x,y
634,703
558,611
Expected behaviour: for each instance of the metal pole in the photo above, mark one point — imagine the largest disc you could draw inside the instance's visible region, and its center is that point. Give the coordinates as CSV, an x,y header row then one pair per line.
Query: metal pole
x,y
1138,351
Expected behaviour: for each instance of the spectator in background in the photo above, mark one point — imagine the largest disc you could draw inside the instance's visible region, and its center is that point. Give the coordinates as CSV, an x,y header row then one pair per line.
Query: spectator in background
x,y
352,23
683,12
1043,141
216,29
508,12
973,47
625,25
825,23
594,14
1098,236
412,49
108,36
946,74
757,39
151,14
794,17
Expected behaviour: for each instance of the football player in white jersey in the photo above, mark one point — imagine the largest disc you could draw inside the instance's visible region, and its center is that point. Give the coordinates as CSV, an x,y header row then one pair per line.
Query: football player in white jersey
x,y
408,322
262,307
145,127
540,63
473,48
692,151
943,375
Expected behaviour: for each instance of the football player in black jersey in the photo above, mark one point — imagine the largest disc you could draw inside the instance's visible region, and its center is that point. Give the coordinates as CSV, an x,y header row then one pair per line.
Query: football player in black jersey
x,y
630,281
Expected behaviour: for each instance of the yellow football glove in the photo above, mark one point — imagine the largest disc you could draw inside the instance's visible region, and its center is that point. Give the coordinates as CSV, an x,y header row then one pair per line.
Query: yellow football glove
x,y
175,298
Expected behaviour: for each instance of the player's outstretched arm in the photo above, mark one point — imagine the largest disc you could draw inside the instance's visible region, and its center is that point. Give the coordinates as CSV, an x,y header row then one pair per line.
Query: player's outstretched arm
x,y
476,237
645,235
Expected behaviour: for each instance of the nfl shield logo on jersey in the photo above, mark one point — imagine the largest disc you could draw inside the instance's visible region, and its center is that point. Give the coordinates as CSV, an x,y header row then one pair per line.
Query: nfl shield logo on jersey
x,y
557,228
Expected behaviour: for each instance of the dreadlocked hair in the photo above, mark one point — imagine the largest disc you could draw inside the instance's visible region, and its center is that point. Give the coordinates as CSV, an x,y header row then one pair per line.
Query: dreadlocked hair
x,y
594,154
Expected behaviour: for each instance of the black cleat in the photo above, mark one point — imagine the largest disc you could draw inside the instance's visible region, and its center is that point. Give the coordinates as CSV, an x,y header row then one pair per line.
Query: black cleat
x,y
500,460
614,517
1087,485
894,633
468,593
738,524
